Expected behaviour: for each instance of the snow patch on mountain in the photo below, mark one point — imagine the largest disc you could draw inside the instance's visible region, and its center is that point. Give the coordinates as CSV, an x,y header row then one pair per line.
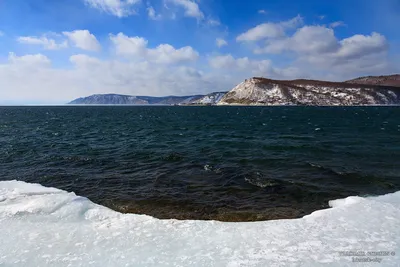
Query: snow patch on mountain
x,y
210,99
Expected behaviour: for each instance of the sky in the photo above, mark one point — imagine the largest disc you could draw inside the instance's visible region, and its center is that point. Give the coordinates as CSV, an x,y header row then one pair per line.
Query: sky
x,y
52,52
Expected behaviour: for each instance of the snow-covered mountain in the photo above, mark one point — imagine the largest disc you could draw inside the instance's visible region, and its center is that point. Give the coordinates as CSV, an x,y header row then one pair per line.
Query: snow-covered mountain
x,y
261,91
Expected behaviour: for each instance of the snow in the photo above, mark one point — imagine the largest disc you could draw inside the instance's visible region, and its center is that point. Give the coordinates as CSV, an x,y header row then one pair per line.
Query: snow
x,y
212,98
42,226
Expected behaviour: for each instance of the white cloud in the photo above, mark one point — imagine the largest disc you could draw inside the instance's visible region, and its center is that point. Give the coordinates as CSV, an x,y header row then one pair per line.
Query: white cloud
x,y
319,40
83,39
49,44
313,39
266,30
191,8
292,23
119,8
221,42
82,60
245,67
359,45
262,11
220,62
317,49
167,54
131,46
152,14
1,33
136,47
269,30
33,80
337,24
29,60
244,63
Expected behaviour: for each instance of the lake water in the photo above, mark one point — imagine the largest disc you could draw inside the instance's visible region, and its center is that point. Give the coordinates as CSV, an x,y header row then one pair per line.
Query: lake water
x,y
222,163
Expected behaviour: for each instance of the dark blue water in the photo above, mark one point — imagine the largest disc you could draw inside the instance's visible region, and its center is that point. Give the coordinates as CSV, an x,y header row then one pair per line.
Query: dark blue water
x,y
224,163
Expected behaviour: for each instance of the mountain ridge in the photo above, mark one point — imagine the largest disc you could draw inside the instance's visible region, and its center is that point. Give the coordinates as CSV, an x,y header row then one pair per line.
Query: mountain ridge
x,y
262,91
388,80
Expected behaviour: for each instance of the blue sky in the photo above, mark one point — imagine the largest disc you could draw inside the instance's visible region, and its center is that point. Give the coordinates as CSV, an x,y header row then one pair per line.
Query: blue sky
x,y
54,51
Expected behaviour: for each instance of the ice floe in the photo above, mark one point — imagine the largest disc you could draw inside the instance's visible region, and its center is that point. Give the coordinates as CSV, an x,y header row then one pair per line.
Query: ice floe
x,y
42,226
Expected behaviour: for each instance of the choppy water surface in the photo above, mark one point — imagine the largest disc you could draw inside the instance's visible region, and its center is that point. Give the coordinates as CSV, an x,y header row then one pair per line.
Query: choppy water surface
x,y
224,163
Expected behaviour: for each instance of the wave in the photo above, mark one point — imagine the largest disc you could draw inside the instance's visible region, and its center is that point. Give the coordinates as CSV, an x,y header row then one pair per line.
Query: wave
x,y
43,226
259,180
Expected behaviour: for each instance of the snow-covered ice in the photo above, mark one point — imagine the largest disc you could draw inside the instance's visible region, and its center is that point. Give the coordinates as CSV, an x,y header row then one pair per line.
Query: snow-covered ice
x,y
42,226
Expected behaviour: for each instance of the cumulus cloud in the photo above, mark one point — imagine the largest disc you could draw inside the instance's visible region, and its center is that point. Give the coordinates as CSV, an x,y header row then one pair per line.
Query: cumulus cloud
x,y
317,51
270,30
318,47
319,40
30,79
315,39
245,67
262,11
191,8
29,60
119,8
83,39
221,42
136,47
229,62
360,45
47,43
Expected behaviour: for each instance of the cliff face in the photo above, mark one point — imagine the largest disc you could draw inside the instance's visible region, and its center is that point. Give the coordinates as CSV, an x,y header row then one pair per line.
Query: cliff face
x,y
210,99
260,91
389,80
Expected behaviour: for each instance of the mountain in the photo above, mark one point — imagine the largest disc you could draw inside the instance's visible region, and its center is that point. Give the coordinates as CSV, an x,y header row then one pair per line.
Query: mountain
x,y
112,99
388,80
115,99
261,91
